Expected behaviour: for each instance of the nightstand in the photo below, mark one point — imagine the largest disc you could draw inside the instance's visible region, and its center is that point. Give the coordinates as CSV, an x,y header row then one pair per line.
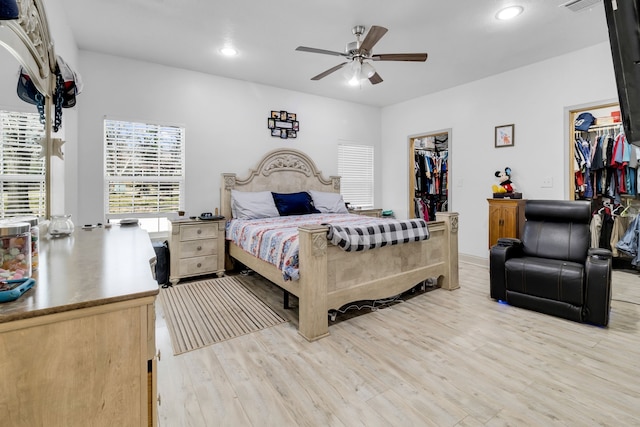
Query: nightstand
x,y
377,213
196,248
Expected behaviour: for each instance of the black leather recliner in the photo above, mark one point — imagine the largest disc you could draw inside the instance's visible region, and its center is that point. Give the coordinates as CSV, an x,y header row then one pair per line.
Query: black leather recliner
x,y
552,269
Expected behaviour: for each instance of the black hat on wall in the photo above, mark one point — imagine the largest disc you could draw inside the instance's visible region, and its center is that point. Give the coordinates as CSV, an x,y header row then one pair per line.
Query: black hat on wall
x,y
9,9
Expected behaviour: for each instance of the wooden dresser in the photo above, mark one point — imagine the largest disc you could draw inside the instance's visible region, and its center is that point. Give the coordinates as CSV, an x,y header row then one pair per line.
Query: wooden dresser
x,y
78,349
196,248
506,218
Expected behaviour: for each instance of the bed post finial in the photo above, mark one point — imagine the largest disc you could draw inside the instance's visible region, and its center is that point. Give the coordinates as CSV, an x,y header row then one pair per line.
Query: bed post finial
x,y
335,181
229,180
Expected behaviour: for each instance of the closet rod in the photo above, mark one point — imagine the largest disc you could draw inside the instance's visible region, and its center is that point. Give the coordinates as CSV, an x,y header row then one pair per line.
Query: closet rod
x,y
600,127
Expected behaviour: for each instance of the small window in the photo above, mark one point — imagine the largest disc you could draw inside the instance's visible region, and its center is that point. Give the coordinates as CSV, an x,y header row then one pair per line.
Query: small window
x,y
355,167
22,165
144,172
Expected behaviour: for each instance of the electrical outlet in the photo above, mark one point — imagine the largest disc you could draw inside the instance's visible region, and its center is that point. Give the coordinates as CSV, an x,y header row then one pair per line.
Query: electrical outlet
x,y
547,182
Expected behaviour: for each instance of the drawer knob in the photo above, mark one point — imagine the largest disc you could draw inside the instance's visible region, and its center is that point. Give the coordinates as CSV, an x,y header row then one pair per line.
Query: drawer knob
x,y
158,355
199,265
199,231
199,248
159,400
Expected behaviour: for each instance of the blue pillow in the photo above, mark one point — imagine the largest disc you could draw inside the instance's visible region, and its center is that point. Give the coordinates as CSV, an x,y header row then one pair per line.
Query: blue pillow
x,y
294,203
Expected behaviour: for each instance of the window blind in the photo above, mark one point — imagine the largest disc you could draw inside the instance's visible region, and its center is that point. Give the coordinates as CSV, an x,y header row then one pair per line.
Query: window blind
x,y
22,167
355,167
144,169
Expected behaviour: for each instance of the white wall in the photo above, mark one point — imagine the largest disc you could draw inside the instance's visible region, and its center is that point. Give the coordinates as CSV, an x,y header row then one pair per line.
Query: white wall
x,y
64,173
534,98
225,120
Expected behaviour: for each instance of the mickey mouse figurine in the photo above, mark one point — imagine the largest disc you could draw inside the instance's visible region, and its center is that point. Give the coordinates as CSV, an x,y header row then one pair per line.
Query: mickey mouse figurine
x,y
505,181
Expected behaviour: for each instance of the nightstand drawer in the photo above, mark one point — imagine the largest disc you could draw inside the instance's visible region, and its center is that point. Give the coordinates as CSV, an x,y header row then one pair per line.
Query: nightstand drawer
x,y
199,231
191,248
198,265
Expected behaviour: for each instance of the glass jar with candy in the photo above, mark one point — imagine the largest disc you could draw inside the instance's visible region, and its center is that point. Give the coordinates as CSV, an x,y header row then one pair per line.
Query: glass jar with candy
x,y
15,250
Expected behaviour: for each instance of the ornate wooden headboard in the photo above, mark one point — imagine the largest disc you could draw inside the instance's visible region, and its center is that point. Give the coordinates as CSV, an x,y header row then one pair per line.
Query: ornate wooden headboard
x,y
280,171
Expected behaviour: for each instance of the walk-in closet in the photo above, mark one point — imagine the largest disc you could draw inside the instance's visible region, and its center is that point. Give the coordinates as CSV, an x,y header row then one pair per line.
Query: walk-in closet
x,y
429,174
604,169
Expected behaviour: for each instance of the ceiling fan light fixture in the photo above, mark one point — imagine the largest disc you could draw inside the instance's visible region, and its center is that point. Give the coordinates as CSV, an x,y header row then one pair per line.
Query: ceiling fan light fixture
x,y
358,71
367,70
509,13
354,81
356,66
352,71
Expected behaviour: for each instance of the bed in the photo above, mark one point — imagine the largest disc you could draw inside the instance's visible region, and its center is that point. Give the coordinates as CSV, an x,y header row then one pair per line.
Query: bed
x,y
330,277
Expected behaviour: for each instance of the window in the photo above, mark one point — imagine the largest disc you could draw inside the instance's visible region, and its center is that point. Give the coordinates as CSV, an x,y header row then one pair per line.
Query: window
x,y
22,167
355,166
144,172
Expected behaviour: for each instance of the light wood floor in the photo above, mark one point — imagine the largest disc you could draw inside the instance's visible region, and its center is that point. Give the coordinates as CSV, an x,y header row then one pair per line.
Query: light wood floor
x,y
442,358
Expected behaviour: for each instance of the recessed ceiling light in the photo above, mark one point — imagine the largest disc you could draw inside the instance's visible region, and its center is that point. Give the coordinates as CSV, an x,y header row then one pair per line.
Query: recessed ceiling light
x,y
228,51
509,12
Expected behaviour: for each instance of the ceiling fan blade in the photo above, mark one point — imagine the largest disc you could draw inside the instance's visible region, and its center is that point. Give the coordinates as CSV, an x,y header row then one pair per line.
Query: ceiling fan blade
x,y
417,57
323,51
375,79
329,71
373,36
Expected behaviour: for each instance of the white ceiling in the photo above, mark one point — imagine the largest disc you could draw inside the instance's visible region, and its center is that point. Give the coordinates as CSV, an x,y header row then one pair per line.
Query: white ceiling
x,y
462,37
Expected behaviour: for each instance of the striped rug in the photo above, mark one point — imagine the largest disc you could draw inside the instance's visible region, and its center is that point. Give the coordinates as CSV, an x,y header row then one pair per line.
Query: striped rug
x,y
202,313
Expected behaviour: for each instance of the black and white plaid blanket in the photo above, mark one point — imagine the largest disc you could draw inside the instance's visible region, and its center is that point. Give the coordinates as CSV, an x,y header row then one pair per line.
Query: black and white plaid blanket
x,y
376,235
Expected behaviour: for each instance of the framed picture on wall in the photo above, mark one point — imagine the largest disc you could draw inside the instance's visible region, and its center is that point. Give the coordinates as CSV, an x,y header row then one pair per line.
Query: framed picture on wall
x,y
504,136
283,124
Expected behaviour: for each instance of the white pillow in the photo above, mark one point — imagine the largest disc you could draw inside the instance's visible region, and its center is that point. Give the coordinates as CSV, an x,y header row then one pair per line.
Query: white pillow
x,y
253,205
328,202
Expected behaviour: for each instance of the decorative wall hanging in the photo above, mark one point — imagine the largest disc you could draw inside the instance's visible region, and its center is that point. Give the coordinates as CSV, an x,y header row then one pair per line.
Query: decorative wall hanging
x,y
504,136
283,124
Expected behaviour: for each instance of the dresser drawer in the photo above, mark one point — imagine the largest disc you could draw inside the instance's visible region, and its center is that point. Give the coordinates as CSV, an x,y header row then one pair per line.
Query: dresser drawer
x,y
191,248
199,231
198,265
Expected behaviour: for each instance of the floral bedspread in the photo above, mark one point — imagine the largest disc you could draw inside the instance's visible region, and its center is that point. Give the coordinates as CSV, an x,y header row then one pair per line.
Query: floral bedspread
x,y
275,240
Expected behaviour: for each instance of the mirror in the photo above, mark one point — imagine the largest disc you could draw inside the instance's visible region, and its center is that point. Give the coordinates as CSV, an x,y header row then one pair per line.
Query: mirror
x,y
26,42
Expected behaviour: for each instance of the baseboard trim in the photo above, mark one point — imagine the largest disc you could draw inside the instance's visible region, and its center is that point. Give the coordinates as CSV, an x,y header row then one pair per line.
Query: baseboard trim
x,y
472,259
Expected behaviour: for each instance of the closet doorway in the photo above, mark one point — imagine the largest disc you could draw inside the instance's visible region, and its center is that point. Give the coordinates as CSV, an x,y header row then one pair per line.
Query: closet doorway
x,y
603,169
602,126
429,174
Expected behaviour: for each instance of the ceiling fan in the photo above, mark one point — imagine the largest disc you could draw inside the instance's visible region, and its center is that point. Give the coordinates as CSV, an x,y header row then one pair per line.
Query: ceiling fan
x,y
358,54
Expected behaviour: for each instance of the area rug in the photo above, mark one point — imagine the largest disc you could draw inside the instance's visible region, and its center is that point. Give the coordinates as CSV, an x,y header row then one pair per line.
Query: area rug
x,y
202,313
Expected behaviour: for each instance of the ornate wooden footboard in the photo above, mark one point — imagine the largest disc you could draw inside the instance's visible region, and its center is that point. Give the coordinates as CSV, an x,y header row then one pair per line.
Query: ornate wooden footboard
x,y
329,276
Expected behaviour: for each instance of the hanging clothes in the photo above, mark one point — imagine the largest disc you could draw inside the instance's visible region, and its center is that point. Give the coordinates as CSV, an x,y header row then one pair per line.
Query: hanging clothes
x,y
605,164
629,242
431,177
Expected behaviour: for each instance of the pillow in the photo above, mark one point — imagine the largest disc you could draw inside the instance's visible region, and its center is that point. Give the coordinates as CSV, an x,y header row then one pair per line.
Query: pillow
x,y
294,203
328,202
252,204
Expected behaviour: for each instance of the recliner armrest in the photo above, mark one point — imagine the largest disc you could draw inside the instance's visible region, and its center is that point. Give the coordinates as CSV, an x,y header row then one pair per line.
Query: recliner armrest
x,y
597,297
509,241
499,254
600,253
